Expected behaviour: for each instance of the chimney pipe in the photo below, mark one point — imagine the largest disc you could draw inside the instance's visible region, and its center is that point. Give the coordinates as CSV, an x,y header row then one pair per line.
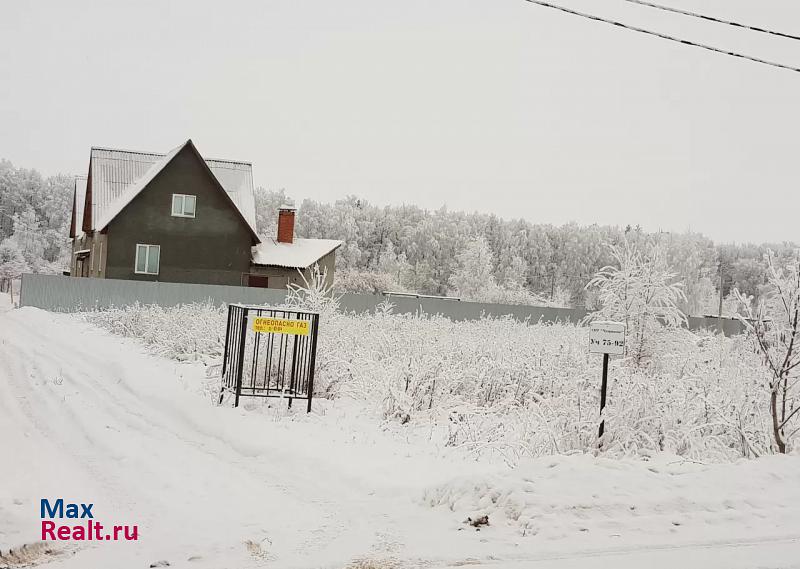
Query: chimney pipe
x,y
286,224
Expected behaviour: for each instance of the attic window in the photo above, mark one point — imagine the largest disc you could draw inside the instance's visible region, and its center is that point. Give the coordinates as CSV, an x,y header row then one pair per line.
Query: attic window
x,y
183,205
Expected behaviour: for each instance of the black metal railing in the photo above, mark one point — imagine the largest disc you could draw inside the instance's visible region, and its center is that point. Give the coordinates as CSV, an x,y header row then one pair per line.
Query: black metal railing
x,y
269,352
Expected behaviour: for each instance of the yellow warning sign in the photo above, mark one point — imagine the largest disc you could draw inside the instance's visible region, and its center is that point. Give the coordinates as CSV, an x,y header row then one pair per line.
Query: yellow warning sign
x,y
280,326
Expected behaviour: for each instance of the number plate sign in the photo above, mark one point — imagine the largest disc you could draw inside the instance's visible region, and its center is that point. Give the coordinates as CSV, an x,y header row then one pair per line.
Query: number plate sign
x,y
607,338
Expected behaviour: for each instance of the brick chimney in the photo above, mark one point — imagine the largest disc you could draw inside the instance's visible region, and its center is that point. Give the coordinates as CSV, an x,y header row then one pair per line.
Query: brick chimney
x,y
286,224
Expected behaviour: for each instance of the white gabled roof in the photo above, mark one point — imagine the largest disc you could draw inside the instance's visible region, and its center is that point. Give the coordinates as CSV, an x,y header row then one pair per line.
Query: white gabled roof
x,y
298,255
79,198
117,176
237,180
113,208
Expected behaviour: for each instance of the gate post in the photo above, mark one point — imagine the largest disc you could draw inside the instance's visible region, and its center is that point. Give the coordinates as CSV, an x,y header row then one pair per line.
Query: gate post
x,y
225,355
315,328
240,363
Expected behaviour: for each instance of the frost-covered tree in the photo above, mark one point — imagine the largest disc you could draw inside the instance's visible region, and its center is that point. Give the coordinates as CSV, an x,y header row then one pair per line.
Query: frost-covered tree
x,y
474,279
705,298
12,264
36,212
393,264
640,291
774,326
693,259
29,236
267,204
514,275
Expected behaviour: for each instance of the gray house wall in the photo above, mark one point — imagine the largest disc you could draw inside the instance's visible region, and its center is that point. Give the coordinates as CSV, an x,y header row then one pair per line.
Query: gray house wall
x,y
213,247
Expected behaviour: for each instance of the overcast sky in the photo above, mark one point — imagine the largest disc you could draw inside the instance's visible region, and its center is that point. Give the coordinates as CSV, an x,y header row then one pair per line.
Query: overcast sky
x,y
491,105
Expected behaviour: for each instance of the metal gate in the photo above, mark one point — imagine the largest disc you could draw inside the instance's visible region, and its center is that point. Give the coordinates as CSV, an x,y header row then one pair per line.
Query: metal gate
x,y
269,352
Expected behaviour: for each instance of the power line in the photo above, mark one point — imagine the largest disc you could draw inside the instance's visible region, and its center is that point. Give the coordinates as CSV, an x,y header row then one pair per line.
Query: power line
x,y
713,19
663,36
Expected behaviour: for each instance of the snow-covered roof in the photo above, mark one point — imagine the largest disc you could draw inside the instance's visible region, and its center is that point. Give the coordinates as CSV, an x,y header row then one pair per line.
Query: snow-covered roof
x,y
119,175
113,207
298,255
79,198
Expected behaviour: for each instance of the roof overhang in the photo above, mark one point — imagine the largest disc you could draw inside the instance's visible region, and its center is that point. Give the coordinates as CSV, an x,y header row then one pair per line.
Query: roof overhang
x,y
301,254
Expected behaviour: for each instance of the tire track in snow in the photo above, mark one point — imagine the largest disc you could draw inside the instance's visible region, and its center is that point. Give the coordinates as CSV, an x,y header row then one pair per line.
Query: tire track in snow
x,y
718,554
154,420
95,394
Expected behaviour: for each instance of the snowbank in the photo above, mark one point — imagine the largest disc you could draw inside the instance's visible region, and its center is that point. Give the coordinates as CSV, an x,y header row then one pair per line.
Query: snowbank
x,y
594,499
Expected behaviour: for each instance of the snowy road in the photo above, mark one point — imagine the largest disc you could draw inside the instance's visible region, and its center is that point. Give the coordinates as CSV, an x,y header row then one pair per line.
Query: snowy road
x,y
91,418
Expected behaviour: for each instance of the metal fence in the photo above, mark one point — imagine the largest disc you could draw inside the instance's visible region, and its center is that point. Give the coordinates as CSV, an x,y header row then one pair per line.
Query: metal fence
x,y
269,352
71,294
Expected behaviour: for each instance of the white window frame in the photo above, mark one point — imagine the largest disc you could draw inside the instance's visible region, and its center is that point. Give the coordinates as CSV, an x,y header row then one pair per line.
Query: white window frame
x,y
183,205
146,259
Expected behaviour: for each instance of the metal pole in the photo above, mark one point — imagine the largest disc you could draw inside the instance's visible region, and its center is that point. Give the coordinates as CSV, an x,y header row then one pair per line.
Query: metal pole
x,y
223,382
313,362
240,362
603,389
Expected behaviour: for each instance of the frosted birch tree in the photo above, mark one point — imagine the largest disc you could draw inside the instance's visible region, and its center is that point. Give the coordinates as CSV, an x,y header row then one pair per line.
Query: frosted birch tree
x,y
473,278
12,264
774,326
640,291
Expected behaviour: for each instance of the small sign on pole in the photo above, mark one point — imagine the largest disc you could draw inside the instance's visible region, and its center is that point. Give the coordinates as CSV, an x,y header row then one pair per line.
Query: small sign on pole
x,y
607,338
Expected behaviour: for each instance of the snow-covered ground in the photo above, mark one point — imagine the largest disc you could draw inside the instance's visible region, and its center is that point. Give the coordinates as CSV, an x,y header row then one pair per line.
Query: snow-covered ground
x,y
92,417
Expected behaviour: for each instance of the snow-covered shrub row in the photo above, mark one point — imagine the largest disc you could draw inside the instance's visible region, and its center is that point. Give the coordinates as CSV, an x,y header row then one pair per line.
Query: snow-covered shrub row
x,y
188,332
517,389
509,388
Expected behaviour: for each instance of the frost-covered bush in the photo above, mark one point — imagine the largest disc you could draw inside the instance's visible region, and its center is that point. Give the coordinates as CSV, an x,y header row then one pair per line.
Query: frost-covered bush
x,y
520,389
639,291
364,281
315,294
186,332
510,388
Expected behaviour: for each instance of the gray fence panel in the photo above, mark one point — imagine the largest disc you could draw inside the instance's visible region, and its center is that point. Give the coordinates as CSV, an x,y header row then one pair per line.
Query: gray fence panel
x,y
360,303
404,305
70,294
728,326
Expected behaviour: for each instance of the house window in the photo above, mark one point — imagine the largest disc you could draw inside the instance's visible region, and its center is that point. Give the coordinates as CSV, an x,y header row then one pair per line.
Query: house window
x,y
183,205
147,257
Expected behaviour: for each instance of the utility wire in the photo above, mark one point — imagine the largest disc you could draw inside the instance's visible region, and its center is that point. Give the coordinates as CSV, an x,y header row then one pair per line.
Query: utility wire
x,y
713,19
663,36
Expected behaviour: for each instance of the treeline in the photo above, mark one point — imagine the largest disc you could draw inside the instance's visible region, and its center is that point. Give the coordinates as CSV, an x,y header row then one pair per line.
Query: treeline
x,y
34,222
433,252
406,247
